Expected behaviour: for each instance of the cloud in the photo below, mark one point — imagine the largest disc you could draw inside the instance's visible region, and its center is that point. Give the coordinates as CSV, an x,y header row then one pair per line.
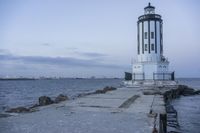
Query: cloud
x,y
90,54
59,61
15,65
4,51
76,51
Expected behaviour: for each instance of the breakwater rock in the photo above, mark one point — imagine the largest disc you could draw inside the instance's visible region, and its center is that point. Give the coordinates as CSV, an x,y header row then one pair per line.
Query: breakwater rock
x,y
171,92
100,91
106,89
61,98
18,110
42,101
181,90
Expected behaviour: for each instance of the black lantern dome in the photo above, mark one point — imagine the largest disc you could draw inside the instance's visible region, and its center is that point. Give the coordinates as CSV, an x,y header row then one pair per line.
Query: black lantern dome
x,y
149,14
149,9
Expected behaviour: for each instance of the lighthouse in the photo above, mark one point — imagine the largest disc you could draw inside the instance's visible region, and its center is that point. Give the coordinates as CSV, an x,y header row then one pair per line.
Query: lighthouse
x,y
150,64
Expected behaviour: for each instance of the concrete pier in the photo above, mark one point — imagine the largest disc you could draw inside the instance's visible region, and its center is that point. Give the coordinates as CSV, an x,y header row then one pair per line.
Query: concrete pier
x,y
125,110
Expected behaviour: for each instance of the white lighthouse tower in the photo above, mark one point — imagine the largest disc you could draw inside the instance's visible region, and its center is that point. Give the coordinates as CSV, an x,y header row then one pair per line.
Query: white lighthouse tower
x,y
151,63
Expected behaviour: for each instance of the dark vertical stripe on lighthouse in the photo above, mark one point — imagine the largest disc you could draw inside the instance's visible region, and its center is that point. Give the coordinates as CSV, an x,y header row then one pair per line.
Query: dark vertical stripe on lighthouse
x,y
149,35
142,37
162,36
160,39
155,38
138,37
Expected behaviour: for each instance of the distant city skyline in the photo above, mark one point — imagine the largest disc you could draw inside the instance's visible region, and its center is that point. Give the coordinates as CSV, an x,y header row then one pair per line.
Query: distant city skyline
x,y
87,38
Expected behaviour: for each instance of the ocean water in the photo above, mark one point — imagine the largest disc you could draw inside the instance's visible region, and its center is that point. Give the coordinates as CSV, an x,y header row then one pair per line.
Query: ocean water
x,y
14,93
192,82
188,108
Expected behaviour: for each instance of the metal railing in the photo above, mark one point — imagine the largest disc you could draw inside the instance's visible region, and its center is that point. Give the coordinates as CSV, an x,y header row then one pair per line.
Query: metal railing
x,y
138,76
156,76
163,76
149,16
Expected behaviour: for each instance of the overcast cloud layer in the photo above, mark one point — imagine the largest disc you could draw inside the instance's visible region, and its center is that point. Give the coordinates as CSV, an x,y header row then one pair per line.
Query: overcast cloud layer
x,y
92,37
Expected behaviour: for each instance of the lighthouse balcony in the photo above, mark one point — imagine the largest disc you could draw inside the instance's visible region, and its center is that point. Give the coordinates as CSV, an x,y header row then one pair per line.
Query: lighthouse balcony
x,y
149,17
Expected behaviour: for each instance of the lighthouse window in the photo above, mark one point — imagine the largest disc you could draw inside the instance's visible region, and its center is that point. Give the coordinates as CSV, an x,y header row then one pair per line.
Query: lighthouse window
x,y
145,35
152,35
145,47
152,47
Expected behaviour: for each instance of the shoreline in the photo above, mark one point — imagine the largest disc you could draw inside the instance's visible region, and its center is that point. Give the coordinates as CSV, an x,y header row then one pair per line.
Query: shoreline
x,y
46,78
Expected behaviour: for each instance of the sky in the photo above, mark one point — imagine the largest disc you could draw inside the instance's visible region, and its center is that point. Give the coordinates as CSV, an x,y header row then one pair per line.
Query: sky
x,y
84,38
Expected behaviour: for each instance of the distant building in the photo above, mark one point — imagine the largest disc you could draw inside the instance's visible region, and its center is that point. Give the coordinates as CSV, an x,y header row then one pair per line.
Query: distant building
x,y
151,63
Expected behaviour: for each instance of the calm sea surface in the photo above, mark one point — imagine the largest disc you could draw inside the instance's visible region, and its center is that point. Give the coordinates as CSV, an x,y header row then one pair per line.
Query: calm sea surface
x,y
15,93
26,92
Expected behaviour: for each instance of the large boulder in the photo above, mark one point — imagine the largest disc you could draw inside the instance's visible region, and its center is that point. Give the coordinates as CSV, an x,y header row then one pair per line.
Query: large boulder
x,y
18,110
61,98
151,92
185,90
44,100
100,92
188,91
106,89
197,92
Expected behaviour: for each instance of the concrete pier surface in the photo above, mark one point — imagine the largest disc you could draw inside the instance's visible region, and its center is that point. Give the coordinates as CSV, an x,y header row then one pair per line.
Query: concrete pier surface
x,y
125,110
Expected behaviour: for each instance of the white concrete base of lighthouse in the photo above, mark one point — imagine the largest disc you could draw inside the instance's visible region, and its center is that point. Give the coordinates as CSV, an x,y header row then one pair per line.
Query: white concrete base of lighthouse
x,y
151,70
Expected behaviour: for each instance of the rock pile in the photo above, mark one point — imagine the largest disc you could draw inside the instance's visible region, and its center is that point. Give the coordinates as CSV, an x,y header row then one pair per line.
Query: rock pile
x,y
106,89
18,110
61,98
42,101
172,92
181,90
102,91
